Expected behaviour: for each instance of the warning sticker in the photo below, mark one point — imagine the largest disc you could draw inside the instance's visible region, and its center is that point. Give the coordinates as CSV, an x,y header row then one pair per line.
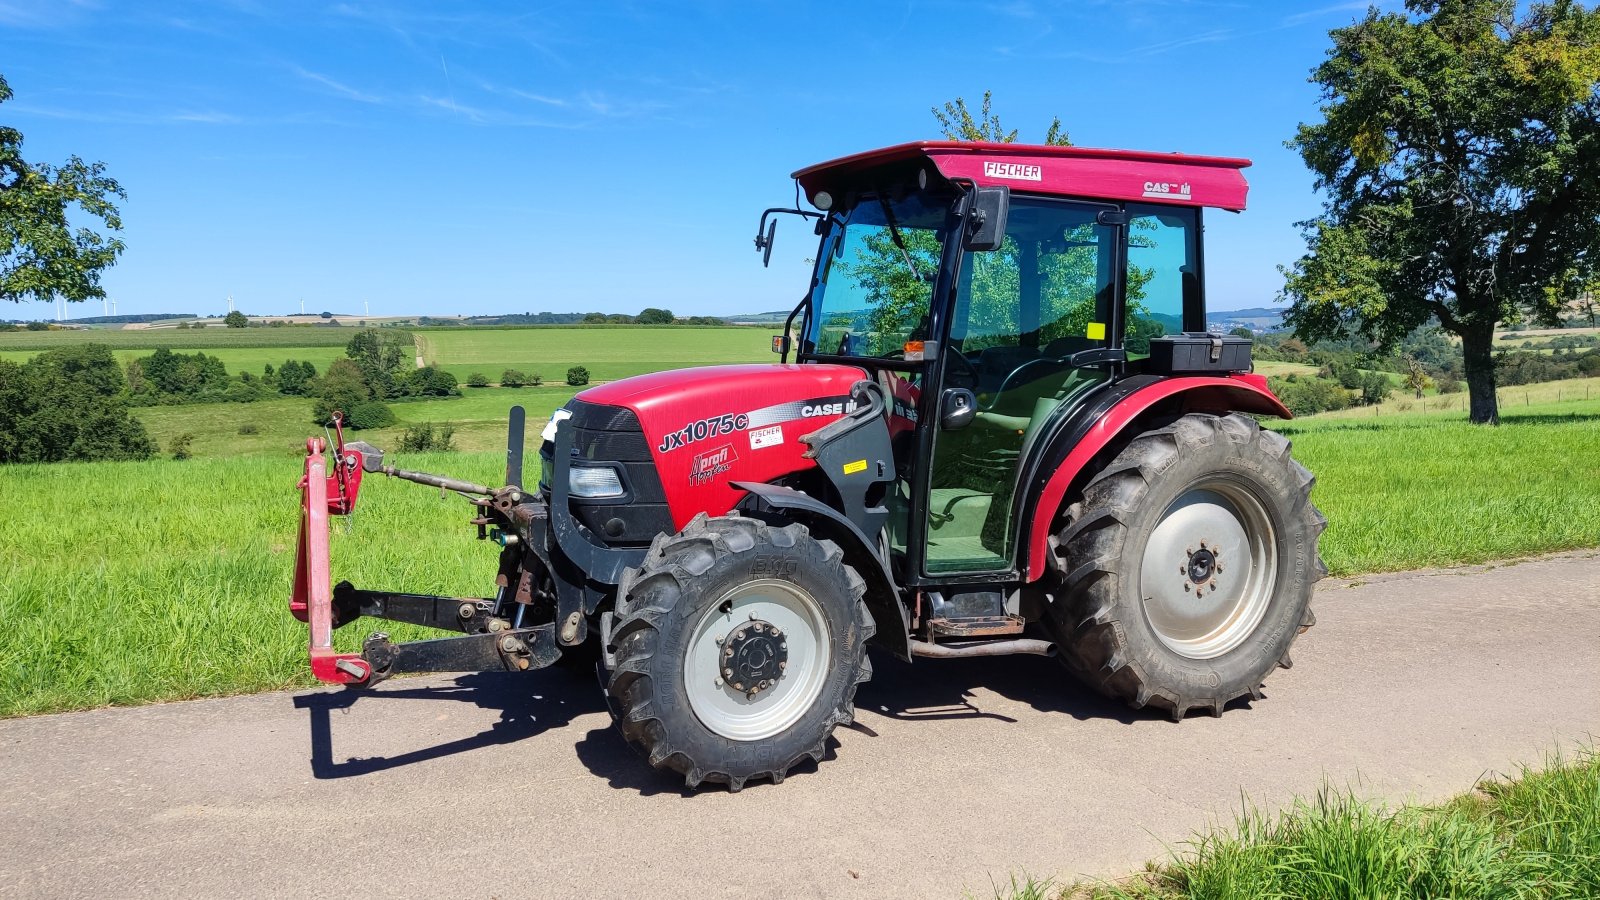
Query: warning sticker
x,y
850,468
1096,331
766,437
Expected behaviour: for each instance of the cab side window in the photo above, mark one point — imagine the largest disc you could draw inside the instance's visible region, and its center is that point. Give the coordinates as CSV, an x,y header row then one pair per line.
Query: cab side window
x,y
1164,278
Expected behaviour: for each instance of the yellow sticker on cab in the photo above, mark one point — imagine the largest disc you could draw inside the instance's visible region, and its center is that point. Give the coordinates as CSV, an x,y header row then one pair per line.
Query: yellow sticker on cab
x,y
1096,331
850,468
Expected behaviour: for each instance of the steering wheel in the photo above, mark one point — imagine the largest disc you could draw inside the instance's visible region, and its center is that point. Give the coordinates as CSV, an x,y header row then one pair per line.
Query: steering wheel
x,y
1016,374
972,370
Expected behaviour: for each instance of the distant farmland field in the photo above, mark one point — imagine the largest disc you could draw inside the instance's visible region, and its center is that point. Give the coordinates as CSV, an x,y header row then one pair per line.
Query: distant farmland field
x,y
207,339
608,352
281,426
237,359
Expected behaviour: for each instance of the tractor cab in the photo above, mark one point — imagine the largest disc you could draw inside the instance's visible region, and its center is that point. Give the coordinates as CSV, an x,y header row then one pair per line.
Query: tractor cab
x,y
994,289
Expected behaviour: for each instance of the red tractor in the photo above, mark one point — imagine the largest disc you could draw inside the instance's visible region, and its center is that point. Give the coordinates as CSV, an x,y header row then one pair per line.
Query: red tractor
x,y
1006,429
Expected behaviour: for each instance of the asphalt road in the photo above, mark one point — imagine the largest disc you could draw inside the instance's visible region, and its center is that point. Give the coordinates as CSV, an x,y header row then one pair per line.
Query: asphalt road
x,y
957,772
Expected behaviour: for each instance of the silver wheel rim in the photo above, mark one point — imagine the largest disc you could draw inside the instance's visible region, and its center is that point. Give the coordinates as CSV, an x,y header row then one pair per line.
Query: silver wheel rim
x,y
1205,618
732,713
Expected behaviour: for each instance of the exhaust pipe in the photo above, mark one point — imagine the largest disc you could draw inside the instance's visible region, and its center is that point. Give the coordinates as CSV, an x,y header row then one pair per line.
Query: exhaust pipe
x,y
984,648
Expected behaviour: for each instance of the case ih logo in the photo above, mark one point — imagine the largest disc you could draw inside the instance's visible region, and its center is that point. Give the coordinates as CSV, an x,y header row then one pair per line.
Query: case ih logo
x,y
1166,190
1013,171
712,463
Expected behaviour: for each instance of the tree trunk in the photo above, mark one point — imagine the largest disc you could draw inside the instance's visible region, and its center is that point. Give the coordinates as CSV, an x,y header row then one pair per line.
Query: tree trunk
x,y
1477,345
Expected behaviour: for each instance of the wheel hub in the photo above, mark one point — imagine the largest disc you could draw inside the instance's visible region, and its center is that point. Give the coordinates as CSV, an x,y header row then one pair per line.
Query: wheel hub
x,y
1202,563
754,656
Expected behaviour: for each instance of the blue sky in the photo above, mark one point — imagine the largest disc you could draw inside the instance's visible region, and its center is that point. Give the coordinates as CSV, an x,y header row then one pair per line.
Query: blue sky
x,y
480,157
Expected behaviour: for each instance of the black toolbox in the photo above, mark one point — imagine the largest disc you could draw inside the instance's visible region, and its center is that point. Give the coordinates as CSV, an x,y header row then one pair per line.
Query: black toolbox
x,y
1198,351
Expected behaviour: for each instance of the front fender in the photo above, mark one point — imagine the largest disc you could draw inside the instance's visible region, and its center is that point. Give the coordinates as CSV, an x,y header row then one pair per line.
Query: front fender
x,y
1236,393
882,597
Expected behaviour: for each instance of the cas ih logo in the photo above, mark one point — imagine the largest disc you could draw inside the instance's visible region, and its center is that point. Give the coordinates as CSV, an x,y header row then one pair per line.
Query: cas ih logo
x,y
711,463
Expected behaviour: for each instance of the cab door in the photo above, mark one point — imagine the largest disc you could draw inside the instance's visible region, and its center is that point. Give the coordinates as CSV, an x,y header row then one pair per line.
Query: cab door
x,y
1019,337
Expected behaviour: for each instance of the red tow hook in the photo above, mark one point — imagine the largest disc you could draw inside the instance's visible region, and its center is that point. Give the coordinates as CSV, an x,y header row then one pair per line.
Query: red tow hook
x,y
312,600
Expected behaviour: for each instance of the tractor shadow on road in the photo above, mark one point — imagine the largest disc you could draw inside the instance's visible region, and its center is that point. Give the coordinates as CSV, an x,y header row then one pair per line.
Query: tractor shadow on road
x,y
931,690
526,709
944,689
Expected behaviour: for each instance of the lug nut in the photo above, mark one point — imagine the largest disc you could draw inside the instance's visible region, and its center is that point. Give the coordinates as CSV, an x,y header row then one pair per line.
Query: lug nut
x,y
466,610
1186,587
717,682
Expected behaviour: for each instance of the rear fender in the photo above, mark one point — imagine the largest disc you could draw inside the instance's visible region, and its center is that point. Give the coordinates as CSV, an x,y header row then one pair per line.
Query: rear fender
x,y
882,597
1104,426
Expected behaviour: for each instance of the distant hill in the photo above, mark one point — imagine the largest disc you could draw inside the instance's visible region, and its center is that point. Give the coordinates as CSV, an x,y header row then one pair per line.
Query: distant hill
x,y
764,318
127,319
1255,318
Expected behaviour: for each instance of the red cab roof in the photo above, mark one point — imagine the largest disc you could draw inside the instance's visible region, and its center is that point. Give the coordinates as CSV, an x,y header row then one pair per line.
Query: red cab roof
x,y
1067,171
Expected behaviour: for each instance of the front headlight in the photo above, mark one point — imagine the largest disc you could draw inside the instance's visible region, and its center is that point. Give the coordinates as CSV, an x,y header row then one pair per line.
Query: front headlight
x,y
594,482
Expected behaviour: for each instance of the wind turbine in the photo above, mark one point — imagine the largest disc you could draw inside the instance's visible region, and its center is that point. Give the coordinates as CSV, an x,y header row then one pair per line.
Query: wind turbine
x,y
230,303
367,305
302,306
113,306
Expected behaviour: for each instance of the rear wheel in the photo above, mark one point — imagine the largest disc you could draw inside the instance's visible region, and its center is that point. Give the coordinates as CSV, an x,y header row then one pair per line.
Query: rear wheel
x,y
1186,569
738,648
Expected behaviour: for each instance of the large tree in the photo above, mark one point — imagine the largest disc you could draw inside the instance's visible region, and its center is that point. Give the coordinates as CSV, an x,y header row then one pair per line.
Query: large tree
x,y
1459,156
43,253
68,404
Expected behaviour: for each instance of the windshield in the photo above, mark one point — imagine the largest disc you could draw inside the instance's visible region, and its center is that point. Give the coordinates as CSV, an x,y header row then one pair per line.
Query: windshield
x,y
875,278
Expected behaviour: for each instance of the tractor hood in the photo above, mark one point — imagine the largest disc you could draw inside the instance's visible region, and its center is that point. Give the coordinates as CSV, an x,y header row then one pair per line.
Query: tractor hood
x,y
710,426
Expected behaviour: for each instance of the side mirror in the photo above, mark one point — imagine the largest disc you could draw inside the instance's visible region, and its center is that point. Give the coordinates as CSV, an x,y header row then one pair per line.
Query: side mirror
x,y
764,242
985,214
957,406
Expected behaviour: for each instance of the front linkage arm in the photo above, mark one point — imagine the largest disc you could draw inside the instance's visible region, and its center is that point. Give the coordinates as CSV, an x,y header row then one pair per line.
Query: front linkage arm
x,y
546,568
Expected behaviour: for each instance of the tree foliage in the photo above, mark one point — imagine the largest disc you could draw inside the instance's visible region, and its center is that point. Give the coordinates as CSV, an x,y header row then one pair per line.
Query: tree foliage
x,y
382,359
236,319
1459,152
958,124
68,405
577,376
650,315
42,256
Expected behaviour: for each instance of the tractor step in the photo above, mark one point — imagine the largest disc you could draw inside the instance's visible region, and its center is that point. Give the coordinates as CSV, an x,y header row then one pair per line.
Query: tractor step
x,y
977,626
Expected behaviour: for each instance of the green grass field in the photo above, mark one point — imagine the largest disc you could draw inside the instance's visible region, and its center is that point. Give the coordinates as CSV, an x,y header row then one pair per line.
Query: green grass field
x,y
282,425
608,352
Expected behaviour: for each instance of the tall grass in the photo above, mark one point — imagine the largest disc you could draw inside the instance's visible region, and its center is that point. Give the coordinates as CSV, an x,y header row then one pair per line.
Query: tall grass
x,y
1535,836
132,582
1432,490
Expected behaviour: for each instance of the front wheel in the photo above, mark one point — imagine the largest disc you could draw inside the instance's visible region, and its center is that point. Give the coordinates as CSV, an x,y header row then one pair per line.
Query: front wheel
x,y
738,648
1186,569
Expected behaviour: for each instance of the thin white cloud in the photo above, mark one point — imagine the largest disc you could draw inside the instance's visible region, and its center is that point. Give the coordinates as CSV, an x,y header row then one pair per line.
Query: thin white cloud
x,y
1298,18
1204,37
338,87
